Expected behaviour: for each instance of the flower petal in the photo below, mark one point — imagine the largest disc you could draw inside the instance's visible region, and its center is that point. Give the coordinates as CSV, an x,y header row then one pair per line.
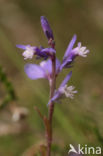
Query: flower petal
x,y
46,66
46,28
70,46
34,71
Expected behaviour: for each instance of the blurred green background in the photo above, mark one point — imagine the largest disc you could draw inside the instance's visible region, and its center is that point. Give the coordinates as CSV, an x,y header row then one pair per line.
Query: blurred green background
x,y
78,121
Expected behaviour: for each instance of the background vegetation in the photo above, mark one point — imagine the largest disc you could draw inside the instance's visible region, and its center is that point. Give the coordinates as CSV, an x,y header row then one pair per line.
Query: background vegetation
x,y
75,121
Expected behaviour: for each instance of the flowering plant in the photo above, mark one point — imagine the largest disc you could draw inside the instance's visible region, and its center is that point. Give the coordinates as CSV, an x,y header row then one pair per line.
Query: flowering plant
x,y
49,69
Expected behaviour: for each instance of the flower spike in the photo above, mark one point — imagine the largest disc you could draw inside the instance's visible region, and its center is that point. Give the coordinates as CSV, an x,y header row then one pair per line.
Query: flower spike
x,y
49,70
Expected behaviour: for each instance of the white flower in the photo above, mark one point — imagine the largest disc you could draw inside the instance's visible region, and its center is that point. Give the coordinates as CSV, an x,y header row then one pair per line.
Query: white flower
x,y
68,91
29,52
81,51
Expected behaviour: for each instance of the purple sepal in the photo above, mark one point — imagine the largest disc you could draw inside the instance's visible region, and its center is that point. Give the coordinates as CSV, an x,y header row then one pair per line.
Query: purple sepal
x,y
69,55
44,52
46,28
47,66
70,46
44,70
34,71
67,62
40,53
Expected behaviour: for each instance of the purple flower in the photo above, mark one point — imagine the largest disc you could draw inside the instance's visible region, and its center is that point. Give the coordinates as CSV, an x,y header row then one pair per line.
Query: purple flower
x,y
71,53
44,70
46,28
64,90
30,51
34,71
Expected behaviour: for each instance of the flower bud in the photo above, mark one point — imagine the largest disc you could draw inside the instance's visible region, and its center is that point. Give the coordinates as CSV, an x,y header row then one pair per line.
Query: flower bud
x,y
46,28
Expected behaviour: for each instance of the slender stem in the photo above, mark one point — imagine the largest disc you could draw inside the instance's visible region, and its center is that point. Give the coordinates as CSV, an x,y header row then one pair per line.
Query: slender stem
x,y
51,106
52,88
